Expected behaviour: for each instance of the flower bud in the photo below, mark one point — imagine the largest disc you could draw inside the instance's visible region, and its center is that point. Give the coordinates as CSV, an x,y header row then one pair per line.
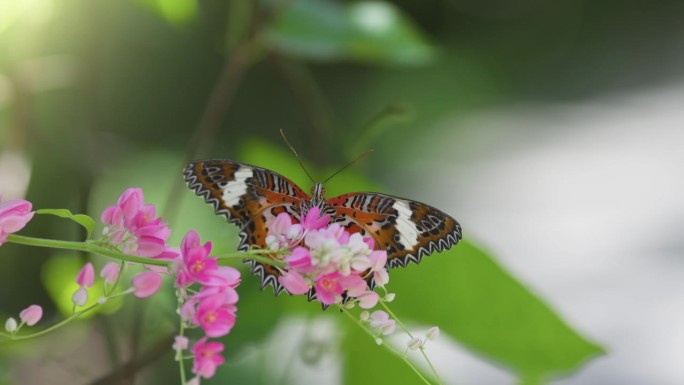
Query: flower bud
x,y
432,333
364,316
414,343
31,315
80,297
110,272
11,325
86,277
146,284
389,297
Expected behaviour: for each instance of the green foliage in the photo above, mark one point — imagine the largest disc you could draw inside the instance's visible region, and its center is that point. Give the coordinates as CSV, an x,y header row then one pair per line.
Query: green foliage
x,y
474,300
87,222
374,32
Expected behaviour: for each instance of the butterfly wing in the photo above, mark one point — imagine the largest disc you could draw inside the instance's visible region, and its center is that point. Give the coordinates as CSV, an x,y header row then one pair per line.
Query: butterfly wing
x,y
407,229
249,197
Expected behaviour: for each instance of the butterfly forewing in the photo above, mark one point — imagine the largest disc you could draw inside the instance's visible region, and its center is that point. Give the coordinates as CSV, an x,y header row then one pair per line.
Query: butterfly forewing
x,y
249,197
407,229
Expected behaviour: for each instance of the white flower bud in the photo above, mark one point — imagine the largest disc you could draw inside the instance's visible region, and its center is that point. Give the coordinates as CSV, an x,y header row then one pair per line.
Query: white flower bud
x,y
432,333
414,343
378,341
389,297
11,325
364,316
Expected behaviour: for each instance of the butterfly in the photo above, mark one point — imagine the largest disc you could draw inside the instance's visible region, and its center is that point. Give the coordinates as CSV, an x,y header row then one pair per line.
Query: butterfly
x,y
251,197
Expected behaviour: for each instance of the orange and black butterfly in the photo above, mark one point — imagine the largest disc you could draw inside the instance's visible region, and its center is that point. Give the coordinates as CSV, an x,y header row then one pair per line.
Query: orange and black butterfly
x,y
251,197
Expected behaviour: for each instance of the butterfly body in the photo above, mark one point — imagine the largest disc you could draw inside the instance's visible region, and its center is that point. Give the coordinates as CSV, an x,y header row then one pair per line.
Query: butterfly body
x,y
251,197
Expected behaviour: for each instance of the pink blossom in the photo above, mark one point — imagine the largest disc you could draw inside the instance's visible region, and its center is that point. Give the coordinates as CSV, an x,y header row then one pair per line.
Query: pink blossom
x,y
214,315
313,220
14,215
368,299
294,282
86,276
381,320
329,288
110,272
300,260
135,225
130,202
207,357
188,310
146,284
31,315
180,343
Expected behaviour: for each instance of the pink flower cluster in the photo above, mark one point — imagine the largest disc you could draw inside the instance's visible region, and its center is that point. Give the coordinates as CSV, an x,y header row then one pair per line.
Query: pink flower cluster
x,y
328,259
14,215
212,307
135,225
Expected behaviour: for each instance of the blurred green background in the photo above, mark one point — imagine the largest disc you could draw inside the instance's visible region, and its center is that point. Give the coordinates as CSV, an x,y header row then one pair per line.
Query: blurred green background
x,y
96,97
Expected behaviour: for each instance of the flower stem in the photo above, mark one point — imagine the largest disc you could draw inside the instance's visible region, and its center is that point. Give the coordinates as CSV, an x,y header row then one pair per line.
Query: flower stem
x,y
253,254
406,330
88,246
179,355
387,346
53,327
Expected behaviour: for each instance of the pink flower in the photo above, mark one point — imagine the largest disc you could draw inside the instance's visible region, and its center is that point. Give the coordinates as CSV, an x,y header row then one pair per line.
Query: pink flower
x,y
329,288
31,315
214,315
300,260
294,283
180,343
207,357
368,299
313,220
146,284
86,277
110,272
135,225
14,215
381,320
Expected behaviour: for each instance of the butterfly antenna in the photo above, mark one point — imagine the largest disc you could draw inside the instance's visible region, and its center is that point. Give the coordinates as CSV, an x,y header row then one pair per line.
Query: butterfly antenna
x,y
365,154
282,133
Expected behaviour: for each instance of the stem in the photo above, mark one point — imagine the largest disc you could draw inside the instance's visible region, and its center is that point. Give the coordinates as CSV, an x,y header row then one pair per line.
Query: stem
x,y
179,355
387,346
88,246
254,256
405,329
53,327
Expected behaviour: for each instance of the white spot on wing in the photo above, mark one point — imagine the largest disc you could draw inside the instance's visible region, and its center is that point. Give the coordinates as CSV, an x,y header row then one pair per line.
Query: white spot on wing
x,y
236,188
408,233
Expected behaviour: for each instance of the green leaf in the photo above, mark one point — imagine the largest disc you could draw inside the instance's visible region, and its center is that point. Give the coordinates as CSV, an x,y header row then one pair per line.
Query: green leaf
x,y
474,300
87,222
371,31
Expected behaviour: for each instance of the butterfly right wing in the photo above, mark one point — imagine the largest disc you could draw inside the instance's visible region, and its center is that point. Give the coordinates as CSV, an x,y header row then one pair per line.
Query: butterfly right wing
x,y
249,197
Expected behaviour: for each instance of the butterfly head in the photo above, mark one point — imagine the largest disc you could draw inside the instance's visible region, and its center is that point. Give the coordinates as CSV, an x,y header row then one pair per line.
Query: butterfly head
x,y
318,196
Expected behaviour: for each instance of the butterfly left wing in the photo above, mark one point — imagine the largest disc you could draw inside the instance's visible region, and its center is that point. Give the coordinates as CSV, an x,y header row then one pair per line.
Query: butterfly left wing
x,y
406,229
249,197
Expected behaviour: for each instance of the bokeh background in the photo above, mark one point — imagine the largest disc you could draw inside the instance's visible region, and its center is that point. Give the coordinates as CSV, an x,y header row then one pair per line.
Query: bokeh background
x,y
552,130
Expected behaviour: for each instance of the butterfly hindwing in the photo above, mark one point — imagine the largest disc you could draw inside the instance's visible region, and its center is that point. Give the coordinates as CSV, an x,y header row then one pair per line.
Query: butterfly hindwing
x,y
407,229
249,197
